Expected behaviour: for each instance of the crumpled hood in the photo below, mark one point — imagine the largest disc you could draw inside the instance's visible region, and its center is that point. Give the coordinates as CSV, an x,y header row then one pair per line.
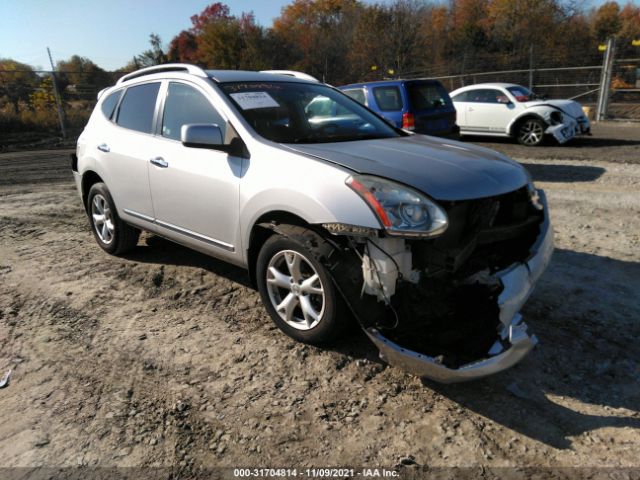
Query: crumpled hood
x,y
443,169
568,106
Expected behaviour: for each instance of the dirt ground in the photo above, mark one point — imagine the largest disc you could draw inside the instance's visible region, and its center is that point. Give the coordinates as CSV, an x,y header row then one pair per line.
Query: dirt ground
x,y
166,358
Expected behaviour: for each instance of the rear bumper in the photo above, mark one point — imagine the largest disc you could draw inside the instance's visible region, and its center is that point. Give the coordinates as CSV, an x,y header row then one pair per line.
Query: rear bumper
x,y
513,341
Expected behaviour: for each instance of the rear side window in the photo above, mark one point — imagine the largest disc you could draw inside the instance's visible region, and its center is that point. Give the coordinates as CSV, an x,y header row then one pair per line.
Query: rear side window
x,y
388,98
186,105
426,96
138,106
109,104
357,95
484,95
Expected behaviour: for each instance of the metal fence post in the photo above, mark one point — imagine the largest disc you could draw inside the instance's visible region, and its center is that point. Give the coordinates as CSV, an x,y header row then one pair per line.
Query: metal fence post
x,y
605,80
531,66
57,97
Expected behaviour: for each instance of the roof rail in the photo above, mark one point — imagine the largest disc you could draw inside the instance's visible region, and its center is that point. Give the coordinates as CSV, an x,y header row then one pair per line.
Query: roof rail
x,y
292,73
167,67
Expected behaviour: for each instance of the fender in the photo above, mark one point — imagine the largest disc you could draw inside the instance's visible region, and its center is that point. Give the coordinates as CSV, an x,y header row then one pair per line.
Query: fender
x,y
529,112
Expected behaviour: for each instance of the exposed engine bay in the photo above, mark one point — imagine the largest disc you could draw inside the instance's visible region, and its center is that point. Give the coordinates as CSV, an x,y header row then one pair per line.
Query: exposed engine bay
x,y
446,308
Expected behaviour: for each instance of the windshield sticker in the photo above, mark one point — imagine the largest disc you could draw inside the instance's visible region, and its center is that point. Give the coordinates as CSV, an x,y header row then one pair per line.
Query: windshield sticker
x,y
253,100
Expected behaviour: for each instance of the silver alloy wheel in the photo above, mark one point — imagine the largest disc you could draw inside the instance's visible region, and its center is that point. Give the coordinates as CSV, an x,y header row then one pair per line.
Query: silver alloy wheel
x,y
102,219
531,132
295,290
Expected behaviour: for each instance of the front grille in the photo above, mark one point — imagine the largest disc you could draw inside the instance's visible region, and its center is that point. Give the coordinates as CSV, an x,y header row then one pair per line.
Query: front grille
x,y
489,233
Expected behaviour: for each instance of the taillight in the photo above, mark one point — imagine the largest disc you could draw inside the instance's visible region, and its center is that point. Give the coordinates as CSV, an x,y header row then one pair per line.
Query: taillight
x,y
408,121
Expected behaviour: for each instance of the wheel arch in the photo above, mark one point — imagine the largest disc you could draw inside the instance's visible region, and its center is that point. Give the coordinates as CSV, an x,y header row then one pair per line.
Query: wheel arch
x,y
260,233
89,178
516,122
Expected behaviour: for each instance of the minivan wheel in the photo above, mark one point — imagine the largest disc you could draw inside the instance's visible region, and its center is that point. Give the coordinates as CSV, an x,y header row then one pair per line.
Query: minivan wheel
x,y
112,234
531,132
298,292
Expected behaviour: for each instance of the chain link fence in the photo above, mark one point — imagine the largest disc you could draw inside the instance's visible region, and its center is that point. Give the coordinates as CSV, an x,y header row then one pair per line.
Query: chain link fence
x,y
30,112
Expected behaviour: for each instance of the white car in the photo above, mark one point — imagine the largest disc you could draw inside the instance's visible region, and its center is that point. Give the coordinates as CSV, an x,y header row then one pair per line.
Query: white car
x,y
510,110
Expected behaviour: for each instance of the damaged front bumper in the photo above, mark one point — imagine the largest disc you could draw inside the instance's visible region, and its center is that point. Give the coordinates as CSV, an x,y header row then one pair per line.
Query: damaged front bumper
x,y
569,129
514,342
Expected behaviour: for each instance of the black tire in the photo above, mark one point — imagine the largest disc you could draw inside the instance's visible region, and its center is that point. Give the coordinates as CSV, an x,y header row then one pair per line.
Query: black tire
x,y
530,132
118,239
333,316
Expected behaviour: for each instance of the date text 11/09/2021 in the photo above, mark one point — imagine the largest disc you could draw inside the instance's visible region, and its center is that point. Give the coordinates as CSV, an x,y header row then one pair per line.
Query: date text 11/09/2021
x,y
314,472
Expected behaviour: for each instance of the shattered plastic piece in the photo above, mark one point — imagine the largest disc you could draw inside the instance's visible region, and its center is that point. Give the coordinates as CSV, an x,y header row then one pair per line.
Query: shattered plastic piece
x,y
4,381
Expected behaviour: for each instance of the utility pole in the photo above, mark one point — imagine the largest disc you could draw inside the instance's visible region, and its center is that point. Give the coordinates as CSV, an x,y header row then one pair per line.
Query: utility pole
x,y
605,80
57,96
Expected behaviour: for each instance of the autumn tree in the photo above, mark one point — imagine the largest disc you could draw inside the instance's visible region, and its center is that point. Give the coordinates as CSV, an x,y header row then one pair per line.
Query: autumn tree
x,y
606,20
318,34
629,23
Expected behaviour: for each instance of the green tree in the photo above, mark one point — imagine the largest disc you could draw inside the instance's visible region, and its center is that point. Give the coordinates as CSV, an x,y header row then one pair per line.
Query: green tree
x,y
17,82
79,75
154,56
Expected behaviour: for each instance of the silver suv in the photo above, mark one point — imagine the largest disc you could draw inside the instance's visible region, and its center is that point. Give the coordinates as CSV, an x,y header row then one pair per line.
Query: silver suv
x,y
432,245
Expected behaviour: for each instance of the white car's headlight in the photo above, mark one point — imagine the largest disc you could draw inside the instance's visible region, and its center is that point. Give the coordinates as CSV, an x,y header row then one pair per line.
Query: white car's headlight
x,y
400,209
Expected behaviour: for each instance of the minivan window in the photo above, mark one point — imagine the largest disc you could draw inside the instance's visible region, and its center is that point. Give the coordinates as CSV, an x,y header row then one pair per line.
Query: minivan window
x,y
109,104
138,106
425,96
388,98
357,95
186,105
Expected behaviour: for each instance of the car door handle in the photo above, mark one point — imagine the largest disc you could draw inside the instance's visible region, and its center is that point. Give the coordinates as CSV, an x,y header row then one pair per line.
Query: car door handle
x,y
159,162
103,147
470,109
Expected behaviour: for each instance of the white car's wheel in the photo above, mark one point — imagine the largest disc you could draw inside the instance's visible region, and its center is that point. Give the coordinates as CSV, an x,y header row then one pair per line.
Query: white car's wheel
x,y
531,132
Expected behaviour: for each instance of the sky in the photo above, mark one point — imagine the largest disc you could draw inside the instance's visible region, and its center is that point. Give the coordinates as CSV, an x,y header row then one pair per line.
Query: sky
x,y
107,32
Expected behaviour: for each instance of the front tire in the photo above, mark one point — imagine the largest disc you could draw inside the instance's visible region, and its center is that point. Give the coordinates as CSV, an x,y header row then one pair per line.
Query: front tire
x,y
531,132
112,234
298,291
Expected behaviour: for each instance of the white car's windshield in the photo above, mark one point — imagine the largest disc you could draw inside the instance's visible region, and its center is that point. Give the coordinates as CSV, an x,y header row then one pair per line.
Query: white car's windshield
x,y
294,112
522,94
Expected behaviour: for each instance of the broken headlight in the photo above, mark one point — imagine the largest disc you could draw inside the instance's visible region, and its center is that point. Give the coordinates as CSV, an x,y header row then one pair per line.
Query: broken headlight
x,y
400,209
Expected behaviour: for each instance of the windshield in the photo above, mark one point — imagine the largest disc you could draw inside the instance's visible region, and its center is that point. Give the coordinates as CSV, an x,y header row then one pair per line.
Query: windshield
x,y
522,94
293,112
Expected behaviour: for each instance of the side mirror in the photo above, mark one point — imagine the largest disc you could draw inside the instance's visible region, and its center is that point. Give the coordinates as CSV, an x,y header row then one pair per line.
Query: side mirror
x,y
205,135
504,100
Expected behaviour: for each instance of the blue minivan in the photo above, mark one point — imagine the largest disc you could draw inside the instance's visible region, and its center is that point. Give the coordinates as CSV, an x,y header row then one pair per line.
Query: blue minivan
x,y
423,106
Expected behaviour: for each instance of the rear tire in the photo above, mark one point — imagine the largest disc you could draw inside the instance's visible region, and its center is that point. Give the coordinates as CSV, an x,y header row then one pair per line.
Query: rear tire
x,y
112,234
298,292
531,132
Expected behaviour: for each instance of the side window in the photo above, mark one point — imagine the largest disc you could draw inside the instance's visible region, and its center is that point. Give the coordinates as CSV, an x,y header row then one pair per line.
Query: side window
x,y
109,104
461,97
484,95
388,98
138,106
319,107
357,95
185,105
